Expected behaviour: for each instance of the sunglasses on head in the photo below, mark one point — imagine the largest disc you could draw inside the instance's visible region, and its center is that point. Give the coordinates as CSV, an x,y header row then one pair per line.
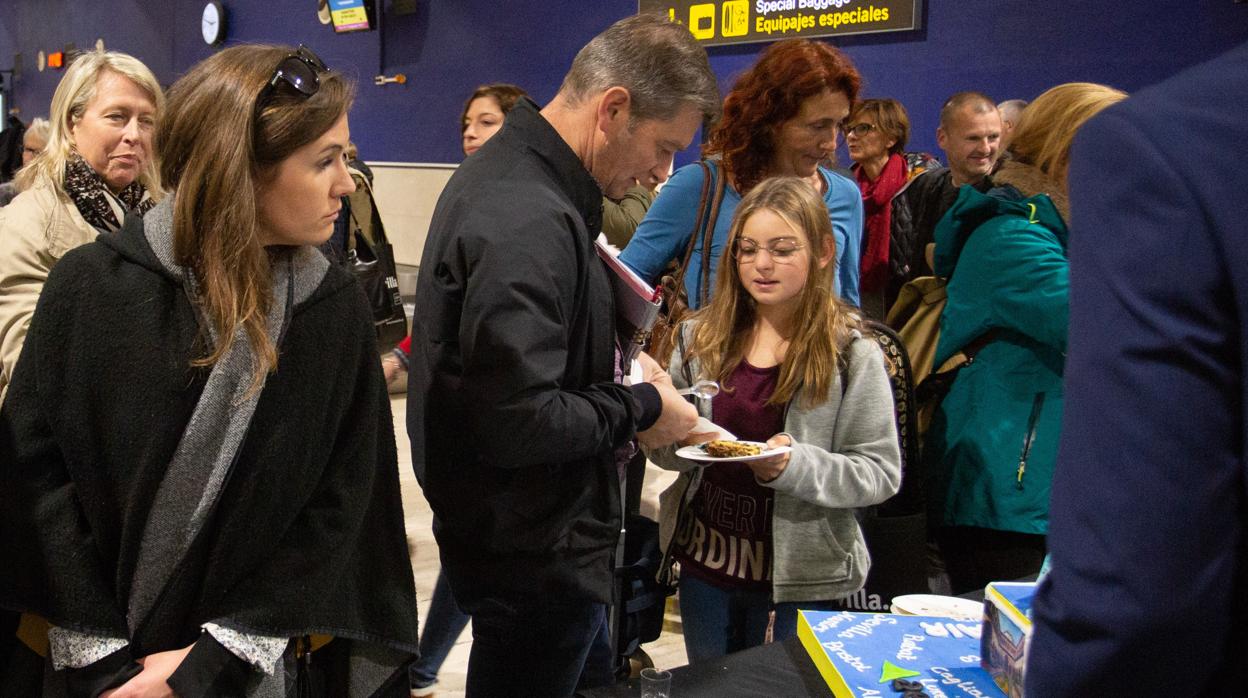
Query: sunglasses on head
x,y
300,70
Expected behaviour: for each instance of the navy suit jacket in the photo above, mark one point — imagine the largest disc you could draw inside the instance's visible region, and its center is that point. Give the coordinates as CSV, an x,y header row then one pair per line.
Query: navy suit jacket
x,y
1149,516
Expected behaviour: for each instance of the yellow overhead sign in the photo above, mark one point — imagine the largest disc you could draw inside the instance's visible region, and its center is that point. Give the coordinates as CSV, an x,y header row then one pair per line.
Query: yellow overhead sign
x,y
746,21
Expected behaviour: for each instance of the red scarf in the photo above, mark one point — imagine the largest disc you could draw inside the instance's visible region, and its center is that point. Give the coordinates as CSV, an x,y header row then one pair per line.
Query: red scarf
x,y
877,197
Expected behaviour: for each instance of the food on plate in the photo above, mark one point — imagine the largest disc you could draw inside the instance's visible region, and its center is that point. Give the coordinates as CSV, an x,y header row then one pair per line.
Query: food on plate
x,y
730,449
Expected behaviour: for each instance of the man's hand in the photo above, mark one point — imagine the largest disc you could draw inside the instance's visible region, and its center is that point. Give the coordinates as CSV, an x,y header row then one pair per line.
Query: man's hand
x,y
651,371
152,682
675,421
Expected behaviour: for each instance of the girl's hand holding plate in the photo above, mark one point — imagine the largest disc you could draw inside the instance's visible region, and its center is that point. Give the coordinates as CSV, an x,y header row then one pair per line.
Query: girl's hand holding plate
x,y
768,469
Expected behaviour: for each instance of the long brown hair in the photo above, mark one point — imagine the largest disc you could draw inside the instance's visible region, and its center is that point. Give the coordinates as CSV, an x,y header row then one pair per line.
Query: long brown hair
x,y
770,93
823,322
216,151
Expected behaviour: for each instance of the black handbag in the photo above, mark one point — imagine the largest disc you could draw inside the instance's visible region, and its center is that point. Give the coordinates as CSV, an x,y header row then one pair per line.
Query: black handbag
x,y
372,263
642,597
675,296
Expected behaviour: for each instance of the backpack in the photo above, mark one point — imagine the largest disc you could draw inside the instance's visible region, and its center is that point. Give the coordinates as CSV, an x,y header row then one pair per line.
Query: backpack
x,y
895,530
915,318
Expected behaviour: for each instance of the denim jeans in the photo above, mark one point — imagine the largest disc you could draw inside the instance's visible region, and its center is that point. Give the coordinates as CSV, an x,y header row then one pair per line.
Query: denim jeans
x,y
720,621
442,628
550,649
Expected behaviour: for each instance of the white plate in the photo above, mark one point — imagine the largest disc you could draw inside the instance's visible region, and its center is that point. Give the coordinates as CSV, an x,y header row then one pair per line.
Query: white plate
x,y
941,606
696,453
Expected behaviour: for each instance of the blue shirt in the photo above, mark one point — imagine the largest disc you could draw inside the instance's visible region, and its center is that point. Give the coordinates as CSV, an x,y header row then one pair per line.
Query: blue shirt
x,y
664,233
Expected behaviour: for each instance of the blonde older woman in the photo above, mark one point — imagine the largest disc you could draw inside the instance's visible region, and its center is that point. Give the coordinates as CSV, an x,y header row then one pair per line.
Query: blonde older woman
x,y
97,166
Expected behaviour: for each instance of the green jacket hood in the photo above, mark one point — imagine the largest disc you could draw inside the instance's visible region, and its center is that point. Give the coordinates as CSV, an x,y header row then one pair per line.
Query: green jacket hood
x,y
972,209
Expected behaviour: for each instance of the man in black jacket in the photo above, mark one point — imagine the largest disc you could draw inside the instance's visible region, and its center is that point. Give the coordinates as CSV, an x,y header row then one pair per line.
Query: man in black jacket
x,y
518,421
970,135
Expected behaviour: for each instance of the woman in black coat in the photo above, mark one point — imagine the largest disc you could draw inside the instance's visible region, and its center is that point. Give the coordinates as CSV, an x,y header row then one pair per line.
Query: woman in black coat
x,y
200,480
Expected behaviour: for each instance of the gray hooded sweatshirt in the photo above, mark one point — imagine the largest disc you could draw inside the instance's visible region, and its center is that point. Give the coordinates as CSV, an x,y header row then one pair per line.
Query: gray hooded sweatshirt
x,y
845,456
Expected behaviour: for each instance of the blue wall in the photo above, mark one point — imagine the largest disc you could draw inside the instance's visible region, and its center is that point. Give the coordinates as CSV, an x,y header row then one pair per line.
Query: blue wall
x,y
1007,48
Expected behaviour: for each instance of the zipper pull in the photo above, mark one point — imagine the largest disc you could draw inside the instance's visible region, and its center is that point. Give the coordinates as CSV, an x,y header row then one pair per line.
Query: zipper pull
x,y
1022,468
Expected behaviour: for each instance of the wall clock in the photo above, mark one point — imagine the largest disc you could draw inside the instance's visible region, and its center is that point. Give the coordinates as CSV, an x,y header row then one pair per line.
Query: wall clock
x,y
212,23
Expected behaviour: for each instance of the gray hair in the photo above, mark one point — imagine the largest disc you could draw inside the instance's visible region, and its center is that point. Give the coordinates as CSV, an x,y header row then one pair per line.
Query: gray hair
x,y
38,128
977,102
1012,109
658,61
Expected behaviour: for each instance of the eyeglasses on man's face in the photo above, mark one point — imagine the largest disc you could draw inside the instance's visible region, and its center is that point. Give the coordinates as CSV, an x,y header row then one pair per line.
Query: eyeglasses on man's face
x,y
781,251
858,130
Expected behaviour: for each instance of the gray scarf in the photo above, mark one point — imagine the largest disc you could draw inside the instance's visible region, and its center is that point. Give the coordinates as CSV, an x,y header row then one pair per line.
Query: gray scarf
x,y
211,440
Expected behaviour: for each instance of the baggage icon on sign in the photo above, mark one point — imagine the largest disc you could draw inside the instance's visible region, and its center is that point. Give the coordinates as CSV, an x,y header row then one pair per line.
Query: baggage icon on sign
x,y
735,19
702,21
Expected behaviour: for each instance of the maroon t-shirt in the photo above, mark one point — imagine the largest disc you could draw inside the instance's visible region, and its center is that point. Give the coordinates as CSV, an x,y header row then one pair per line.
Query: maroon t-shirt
x,y
727,540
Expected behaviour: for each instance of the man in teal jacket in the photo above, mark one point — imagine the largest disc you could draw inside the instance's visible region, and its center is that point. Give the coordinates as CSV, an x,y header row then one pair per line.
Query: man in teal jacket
x,y
993,441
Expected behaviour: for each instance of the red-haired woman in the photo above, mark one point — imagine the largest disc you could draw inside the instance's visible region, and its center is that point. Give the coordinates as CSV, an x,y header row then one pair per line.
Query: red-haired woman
x,y
780,119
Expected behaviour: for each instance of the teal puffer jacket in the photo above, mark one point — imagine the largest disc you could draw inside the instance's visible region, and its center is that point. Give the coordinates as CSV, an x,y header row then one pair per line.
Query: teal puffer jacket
x,y
993,442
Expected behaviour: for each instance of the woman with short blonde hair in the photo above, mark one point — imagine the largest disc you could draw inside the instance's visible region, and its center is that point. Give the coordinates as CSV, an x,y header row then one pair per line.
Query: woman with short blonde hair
x,y
1043,136
76,91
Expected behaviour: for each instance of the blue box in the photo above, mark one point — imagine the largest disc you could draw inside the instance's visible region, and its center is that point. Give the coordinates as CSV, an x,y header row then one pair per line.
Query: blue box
x,y
859,654
1007,633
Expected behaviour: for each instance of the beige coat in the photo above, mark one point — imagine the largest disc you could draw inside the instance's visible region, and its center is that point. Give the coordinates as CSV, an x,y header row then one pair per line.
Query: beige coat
x,y
36,230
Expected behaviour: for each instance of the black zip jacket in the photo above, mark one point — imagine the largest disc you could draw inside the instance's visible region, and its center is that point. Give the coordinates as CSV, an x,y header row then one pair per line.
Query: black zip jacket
x,y
513,411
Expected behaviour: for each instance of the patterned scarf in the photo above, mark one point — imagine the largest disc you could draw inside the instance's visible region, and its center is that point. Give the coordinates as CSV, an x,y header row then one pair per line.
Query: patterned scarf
x,y
103,209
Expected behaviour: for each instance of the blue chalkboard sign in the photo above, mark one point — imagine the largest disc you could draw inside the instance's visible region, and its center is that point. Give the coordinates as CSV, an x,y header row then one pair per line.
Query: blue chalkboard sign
x,y
861,654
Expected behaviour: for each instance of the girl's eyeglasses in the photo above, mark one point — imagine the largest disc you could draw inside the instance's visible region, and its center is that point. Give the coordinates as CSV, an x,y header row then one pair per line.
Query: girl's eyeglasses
x,y
782,251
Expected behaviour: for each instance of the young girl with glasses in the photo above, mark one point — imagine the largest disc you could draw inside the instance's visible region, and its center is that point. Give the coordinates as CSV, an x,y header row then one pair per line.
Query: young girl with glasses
x,y
223,517
777,533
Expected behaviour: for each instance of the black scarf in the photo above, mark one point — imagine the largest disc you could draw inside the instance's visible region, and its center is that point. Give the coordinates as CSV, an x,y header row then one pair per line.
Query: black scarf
x,y
97,203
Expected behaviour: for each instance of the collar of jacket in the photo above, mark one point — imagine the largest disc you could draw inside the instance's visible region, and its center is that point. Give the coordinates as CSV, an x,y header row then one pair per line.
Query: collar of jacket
x,y
525,127
973,209
1030,181
147,240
